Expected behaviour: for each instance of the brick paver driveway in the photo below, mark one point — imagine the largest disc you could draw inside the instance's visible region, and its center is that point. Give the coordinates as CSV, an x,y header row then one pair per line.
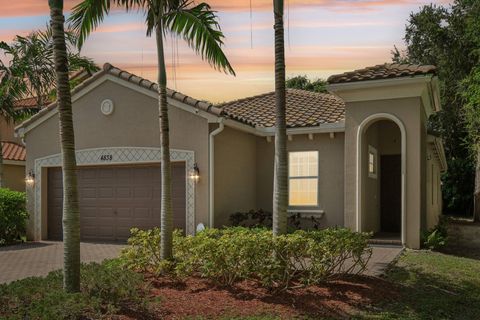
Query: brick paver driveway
x,y
39,258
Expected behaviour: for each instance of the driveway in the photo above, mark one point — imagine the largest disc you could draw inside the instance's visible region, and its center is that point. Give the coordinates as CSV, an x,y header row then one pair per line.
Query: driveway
x,y
39,258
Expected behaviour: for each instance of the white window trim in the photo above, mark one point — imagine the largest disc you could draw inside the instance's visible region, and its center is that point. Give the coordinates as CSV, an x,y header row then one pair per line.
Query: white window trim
x,y
305,177
372,150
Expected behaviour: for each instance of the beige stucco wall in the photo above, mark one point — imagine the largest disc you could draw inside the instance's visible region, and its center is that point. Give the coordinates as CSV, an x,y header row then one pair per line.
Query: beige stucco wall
x,y
371,185
14,176
235,174
134,123
331,173
409,112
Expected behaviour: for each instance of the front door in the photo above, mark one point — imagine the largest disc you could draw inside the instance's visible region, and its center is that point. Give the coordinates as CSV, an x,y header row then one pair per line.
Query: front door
x,y
391,193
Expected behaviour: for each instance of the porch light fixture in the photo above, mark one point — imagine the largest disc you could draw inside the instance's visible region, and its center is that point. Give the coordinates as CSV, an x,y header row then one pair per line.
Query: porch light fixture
x,y
195,173
30,178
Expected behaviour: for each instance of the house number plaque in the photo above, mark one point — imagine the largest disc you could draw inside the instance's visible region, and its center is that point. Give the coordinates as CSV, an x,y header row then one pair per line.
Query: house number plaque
x,y
106,157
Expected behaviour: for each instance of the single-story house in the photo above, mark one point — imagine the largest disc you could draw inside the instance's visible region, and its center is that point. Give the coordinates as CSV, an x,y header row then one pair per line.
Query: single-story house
x,y
13,153
359,156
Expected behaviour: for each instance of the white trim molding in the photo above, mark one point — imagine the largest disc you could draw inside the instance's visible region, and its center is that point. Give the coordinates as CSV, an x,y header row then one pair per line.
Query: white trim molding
x,y
362,128
116,156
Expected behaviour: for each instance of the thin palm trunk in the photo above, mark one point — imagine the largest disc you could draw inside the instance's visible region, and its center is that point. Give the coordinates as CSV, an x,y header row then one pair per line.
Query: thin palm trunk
x,y
280,188
71,214
476,195
166,197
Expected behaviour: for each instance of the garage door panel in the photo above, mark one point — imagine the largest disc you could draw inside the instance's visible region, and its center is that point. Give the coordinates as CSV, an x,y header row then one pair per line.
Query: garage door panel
x,y
123,193
115,199
106,193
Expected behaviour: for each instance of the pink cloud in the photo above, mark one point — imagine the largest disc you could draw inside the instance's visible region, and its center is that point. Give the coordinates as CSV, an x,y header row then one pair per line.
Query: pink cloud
x,y
38,7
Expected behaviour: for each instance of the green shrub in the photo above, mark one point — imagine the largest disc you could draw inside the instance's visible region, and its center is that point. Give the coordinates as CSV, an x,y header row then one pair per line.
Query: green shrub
x,y
105,288
437,237
13,216
264,219
111,284
234,254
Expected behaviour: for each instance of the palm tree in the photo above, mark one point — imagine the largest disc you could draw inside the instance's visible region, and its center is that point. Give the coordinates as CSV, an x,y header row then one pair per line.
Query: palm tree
x,y
198,26
71,213
280,180
31,58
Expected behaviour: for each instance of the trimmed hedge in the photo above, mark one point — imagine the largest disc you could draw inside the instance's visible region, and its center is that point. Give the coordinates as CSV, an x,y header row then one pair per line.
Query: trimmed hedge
x,y
13,216
235,254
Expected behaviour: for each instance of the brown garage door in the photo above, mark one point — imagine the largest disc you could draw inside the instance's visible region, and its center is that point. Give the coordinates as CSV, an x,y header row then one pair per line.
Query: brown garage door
x,y
114,199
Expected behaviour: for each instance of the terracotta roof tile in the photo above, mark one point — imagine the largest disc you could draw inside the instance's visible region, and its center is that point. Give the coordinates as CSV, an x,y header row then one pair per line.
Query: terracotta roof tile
x,y
13,151
383,71
304,109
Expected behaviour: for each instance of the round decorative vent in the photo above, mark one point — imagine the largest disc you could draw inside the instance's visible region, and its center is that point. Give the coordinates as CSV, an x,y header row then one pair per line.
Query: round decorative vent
x,y
107,107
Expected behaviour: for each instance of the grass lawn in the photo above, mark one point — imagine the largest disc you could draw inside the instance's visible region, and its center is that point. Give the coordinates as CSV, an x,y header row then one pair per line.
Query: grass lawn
x,y
421,285
432,285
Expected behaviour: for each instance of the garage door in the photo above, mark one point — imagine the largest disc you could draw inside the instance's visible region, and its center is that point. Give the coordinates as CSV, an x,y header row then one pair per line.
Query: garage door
x,y
114,199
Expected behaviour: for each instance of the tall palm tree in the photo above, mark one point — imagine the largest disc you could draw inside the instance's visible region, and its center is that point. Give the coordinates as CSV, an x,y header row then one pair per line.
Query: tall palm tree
x,y
71,212
198,26
280,180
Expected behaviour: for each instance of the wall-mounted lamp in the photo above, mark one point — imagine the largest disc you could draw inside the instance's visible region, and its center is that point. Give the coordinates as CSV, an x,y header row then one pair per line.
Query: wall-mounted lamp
x,y
195,173
30,178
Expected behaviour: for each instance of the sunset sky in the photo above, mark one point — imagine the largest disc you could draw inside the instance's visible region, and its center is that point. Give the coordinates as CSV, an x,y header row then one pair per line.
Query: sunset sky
x,y
323,37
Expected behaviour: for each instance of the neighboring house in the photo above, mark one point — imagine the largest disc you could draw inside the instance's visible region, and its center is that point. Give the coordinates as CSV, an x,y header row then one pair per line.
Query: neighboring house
x,y
360,157
13,150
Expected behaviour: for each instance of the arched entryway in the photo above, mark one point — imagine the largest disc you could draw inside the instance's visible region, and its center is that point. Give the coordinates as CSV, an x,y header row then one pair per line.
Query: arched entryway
x,y
381,159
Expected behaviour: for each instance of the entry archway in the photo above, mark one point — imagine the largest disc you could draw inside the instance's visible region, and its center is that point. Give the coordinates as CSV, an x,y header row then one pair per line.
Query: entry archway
x,y
366,171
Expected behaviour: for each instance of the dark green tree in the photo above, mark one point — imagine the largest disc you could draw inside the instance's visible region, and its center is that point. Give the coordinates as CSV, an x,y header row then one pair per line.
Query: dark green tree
x,y
448,37
304,83
471,93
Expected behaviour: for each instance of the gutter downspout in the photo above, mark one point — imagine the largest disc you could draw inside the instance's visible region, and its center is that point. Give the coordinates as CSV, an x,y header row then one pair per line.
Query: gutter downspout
x,y
211,171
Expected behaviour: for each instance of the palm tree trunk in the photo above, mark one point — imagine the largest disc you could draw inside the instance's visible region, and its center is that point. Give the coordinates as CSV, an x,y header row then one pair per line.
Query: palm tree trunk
x,y
166,214
476,195
280,180
71,214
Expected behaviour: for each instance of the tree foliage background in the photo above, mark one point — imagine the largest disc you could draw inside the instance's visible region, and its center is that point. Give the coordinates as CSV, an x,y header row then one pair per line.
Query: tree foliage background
x,y
449,38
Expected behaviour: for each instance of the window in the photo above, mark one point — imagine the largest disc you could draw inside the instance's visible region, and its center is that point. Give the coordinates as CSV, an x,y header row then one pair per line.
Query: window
x,y
303,178
372,162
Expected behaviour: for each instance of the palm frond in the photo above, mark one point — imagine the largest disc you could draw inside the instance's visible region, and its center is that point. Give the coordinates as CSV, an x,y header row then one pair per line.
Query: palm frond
x,y
200,28
88,14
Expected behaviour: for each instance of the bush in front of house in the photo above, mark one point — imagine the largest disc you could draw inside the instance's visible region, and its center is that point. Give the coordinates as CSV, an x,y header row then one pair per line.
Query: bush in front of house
x,y
105,289
235,254
13,216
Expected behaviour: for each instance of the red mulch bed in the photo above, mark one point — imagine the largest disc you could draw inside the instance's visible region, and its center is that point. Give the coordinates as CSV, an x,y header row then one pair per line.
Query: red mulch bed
x,y
196,297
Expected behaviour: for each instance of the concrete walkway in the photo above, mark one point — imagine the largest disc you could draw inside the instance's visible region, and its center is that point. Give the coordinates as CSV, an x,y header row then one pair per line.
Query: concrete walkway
x,y
382,256
39,258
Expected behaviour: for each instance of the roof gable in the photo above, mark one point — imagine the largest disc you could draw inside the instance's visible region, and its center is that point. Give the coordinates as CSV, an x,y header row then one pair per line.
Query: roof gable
x,y
109,70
